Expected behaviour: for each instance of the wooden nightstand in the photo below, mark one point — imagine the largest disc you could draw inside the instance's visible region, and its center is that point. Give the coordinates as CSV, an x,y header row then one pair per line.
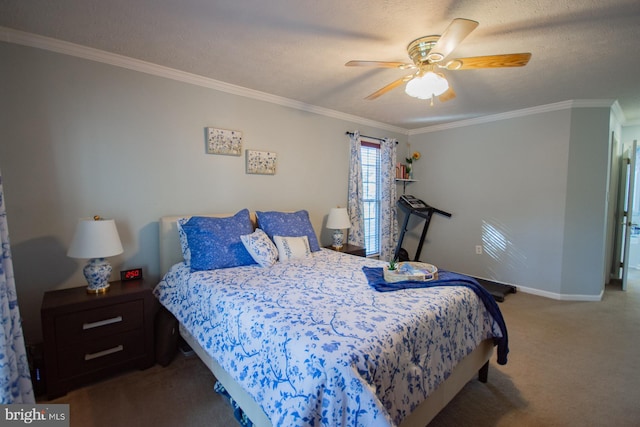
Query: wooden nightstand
x,y
350,249
88,337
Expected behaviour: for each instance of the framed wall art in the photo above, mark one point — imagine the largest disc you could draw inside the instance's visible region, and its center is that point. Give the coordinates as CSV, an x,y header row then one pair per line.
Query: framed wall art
x,y
261,162
223,141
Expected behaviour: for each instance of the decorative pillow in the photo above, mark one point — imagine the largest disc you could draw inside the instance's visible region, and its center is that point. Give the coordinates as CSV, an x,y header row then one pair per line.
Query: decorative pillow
x,y
261,248
293,224
292,247
184,243
215,242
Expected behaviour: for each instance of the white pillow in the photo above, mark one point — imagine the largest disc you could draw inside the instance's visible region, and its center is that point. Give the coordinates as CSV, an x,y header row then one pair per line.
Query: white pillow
x,y
261,248
184,243
292,247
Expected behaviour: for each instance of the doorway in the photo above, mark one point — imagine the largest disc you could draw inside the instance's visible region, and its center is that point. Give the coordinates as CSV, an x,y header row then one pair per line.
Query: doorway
x,y
634,235
626,259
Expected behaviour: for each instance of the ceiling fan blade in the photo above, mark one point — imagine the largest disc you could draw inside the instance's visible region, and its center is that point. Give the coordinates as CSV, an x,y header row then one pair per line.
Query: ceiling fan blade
x,y
491,61
448,95
380,64
451,38
389,87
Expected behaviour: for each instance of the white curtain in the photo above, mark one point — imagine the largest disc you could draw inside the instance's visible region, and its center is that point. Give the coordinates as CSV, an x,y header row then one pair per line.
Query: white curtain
x,y
388,197
15,380
355,205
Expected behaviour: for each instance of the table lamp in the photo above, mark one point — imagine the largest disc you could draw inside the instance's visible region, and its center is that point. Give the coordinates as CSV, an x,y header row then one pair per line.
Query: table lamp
x,y
337,221
95,239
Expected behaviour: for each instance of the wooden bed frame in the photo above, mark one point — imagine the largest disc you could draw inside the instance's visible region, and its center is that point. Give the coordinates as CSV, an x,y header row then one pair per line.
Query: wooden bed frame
x,y
476,362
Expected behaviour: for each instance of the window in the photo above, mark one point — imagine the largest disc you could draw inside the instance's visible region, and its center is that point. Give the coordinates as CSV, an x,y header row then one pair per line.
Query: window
x,y
370,158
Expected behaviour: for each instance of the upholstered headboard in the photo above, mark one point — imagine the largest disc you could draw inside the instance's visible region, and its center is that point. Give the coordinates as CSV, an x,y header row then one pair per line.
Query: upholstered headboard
x,y
170,252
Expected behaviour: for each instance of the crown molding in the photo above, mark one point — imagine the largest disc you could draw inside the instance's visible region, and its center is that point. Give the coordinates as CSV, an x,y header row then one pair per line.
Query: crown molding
x,y
564,105
618,113
10,35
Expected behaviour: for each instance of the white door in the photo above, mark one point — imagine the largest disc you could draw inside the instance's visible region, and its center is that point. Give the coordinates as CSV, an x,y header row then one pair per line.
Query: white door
x,y
629,182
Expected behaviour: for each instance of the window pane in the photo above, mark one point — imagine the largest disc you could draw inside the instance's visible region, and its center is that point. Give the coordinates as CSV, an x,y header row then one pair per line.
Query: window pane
x,y
371,197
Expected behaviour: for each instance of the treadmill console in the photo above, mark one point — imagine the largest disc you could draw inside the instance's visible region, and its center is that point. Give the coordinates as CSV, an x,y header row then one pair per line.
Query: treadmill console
x,y
413,203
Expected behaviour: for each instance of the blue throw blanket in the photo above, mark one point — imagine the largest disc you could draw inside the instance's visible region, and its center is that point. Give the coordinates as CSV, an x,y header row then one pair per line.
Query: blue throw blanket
x,y
375,276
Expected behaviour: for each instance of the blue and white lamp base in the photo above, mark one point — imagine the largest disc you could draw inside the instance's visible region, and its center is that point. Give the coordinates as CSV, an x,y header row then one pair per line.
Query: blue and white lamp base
x,y
337,239
97,272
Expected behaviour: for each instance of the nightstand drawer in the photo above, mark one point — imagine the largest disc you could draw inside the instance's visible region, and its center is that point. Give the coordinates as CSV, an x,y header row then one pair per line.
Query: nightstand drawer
x,y
101,322
97,354
89,337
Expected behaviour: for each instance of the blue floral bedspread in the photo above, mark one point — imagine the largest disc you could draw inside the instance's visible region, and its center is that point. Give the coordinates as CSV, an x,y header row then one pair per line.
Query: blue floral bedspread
x,y
314,344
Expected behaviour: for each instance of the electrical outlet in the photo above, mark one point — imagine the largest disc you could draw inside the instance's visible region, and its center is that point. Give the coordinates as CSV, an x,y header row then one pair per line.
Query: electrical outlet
x,y
479,249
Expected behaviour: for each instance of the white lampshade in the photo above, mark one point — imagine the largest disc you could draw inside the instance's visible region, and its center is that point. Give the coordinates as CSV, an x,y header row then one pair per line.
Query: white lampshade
x,y
427,86
96,239
338,219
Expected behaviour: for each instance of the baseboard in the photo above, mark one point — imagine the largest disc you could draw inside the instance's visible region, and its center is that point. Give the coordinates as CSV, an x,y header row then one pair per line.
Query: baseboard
x,y
542,293
562,297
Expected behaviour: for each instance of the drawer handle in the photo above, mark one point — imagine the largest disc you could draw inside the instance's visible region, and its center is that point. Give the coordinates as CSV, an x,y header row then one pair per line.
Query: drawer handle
x,y
99,323
103,353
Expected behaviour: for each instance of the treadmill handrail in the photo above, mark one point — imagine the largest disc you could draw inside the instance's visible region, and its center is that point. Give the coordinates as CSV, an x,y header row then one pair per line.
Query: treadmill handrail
x,y
425,213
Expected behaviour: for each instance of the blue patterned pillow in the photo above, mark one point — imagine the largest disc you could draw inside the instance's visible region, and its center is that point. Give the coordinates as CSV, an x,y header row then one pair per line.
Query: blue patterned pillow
x,y
294,224
292,247
215,242
260,247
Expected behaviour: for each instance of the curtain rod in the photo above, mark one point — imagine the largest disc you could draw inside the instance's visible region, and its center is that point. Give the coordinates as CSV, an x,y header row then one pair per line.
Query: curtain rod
x,y
365,136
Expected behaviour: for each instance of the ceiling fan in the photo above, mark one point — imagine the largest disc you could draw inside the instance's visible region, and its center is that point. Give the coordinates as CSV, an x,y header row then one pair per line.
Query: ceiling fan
x,y
430,53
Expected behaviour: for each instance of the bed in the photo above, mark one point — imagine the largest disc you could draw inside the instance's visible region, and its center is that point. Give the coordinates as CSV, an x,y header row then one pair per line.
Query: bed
x,y
307,341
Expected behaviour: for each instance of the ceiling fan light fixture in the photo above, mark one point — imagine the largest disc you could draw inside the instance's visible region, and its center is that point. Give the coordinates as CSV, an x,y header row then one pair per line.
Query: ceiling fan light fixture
x,y
427,86
431,53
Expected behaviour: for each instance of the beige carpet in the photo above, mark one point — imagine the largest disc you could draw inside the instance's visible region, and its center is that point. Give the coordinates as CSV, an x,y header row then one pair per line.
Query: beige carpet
x,y
571,364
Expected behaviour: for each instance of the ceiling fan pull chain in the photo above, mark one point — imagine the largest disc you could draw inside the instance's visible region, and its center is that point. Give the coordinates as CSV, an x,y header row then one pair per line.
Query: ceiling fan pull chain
x,y
432,100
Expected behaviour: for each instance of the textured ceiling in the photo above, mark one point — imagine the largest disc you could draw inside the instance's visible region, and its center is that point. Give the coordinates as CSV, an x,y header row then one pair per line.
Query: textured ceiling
x,y
296,49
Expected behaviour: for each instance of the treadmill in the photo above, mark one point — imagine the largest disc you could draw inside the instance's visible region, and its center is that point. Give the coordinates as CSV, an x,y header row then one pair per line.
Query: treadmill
x,y
413,206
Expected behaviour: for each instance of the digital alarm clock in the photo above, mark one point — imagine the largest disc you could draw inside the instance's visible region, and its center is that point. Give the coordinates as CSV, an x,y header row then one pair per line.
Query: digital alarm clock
x,y
133,274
